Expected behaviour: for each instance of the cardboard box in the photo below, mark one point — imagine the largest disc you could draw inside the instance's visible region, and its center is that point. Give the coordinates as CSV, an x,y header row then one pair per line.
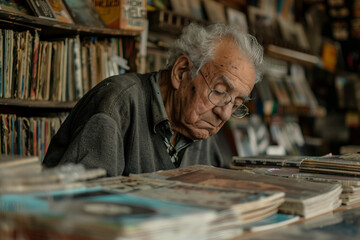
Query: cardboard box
x,y
123,14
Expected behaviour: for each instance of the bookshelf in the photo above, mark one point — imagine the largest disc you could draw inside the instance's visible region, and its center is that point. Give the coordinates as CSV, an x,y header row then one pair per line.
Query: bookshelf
x,y
51,27
29,119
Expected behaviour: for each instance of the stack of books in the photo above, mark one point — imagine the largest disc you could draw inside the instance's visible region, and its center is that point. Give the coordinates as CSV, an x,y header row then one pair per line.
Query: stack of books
x,y
234,207
347,164
335,169
71,202
350,185
20,174
100,214
303,198
16,165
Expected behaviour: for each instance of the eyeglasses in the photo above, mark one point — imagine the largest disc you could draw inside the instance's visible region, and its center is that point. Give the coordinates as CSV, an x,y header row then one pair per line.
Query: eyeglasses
x,y
221,98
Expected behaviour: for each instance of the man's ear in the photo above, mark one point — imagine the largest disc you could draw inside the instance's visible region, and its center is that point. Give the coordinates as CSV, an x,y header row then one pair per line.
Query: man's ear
x,y
181,66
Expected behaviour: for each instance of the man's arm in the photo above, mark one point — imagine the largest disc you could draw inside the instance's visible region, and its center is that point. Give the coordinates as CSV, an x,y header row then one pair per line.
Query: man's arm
x,y
98,143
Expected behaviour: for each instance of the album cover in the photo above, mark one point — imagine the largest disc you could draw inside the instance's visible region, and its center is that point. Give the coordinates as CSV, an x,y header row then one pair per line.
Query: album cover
x,y
84,13
41,8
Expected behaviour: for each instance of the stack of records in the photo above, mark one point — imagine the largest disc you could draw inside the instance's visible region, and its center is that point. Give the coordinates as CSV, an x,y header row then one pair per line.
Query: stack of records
x,y
67,176
350,185
102,215
16,164
234,207
303,198
347,164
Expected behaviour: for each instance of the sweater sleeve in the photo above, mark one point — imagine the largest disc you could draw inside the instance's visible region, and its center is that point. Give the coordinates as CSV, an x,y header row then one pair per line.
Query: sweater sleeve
x,y
98,144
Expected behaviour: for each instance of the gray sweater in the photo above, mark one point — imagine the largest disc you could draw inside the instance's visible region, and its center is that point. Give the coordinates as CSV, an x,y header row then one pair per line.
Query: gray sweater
x,y
118,126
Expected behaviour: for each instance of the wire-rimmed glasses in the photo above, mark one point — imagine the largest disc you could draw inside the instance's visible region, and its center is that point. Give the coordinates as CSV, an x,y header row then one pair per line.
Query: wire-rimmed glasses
x,y
221,98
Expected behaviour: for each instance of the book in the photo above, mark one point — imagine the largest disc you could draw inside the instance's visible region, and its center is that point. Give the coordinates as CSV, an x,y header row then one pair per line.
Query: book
x,y
77,69
262,22
65,74
283,161
60,11
279,89
330,54
293,32
16,64
16,6
7,161
56,70
34,66
25,88
41,8
1,63
215,11
181,7
196,9
271,222
70,79
8,62
245,137
237,18
129,15
84,13
298,76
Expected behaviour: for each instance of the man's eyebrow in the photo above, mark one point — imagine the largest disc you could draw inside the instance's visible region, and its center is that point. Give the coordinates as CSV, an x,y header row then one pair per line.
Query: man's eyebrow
x,y
227,82
230,86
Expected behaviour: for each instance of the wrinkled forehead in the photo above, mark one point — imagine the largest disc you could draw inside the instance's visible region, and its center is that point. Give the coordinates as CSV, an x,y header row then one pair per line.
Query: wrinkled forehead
x,y
228,54
229,60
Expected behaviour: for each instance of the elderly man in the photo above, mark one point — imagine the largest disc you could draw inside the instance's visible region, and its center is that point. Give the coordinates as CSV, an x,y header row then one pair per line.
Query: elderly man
x,y
136,123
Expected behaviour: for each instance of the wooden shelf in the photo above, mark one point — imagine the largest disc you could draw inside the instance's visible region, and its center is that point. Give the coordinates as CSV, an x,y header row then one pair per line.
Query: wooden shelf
x,y
56,28
9,102
291,55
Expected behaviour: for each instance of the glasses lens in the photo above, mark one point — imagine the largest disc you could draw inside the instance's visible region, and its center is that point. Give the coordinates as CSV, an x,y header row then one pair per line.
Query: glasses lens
x,y
219,98
240,111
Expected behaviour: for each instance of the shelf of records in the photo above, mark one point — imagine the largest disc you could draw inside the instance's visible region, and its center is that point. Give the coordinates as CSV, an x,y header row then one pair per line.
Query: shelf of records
x,y
57,70
281,38
255,136
285,89
193,202
61,17
27,136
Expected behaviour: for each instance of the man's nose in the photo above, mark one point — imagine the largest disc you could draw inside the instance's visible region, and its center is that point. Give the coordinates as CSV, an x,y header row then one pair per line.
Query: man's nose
x,y
224,112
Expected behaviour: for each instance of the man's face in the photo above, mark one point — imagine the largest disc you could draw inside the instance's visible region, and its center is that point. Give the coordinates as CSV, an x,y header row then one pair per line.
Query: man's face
x,y
196,117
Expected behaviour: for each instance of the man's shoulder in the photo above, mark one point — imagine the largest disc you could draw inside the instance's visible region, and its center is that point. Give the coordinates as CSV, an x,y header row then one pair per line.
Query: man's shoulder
x,y
123,86
127,80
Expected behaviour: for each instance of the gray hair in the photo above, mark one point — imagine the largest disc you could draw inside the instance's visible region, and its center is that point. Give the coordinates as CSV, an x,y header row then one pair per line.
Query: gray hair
x,y
199,44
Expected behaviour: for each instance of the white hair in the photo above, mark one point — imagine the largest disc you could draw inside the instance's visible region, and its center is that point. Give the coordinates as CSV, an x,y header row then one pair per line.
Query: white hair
x,y
199,44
